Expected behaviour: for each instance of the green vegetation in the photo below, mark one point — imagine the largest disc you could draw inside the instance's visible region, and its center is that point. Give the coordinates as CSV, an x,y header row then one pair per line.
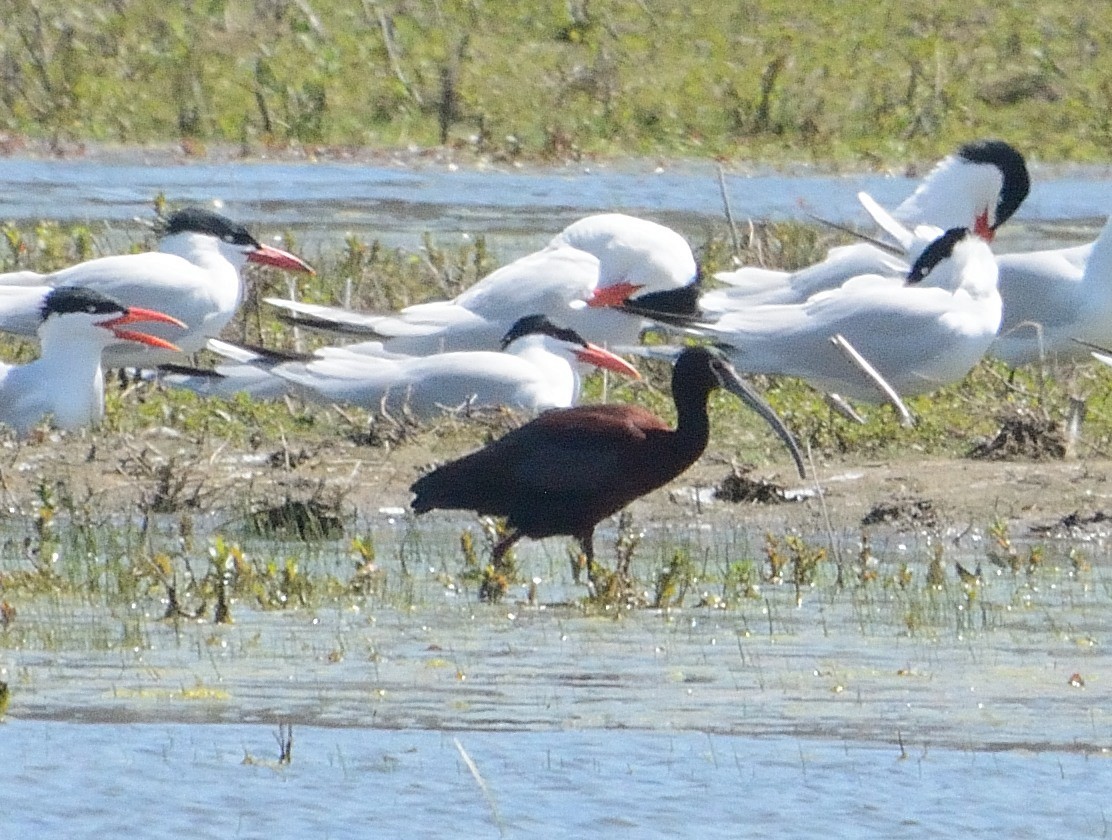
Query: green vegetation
x,y
125,577
771,80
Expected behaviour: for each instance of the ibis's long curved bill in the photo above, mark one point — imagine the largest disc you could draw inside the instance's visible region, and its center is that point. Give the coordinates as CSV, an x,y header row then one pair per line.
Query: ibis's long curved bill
x,y
136,315
592,354
269,255
729,379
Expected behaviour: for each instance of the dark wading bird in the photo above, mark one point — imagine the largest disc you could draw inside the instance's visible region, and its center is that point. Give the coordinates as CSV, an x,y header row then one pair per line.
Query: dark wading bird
x,y
567,470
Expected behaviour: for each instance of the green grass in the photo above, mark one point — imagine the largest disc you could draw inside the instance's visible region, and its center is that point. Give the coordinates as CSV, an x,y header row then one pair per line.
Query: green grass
x,y
847,82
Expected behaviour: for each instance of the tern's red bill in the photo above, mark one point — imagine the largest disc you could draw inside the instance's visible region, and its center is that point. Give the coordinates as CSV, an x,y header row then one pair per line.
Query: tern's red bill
x,y
269,255
982,228
592,354
613,295
136,315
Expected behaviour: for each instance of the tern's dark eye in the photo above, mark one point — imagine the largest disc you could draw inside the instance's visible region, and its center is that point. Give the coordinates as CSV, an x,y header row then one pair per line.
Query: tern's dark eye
x,y
939,250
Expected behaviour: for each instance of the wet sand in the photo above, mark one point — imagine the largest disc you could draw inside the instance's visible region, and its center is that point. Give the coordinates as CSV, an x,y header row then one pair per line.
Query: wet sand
x,y
119,471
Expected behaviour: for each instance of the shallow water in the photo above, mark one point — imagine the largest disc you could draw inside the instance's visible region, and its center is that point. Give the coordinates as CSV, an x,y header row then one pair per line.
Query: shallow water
x,y
164,780
868,663
517,209
769,718
869,711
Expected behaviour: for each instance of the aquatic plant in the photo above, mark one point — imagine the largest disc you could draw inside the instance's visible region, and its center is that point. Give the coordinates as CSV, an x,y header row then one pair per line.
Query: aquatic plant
x,y
673,580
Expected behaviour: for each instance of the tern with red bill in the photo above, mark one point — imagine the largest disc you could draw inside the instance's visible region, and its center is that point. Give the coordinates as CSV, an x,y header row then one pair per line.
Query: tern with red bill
x,y
920,331
66,382
979,187
1055,302
600,276
536,370
194,276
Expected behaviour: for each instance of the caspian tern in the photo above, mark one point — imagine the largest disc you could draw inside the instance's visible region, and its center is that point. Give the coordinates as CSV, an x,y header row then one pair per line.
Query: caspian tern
x,y
66,381
581,279
536,370
920,335
978,187
193,276
1055,299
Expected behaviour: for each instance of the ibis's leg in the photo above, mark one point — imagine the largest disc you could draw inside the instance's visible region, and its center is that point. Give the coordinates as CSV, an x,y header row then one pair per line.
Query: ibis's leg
x,y
587,546
502,546
498,577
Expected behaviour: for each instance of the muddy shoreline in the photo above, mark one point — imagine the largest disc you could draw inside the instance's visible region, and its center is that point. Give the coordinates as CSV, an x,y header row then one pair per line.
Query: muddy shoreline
x,y
121,472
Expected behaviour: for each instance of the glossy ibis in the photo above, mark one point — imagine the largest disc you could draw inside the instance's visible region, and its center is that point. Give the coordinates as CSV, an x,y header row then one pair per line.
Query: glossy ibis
x,y
567,470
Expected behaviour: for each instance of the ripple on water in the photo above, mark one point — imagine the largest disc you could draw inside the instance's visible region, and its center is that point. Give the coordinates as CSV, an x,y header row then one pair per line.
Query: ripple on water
x,y
518,210
172,780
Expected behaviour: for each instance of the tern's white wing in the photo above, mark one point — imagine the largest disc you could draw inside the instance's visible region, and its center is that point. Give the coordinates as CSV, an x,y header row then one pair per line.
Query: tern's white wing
x,y
632,250
233,379
1067,292
978,187
427,385
750,287
421,329
918,338
23,278
554,282
203,299
841,264
21,308
542,283
752,277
